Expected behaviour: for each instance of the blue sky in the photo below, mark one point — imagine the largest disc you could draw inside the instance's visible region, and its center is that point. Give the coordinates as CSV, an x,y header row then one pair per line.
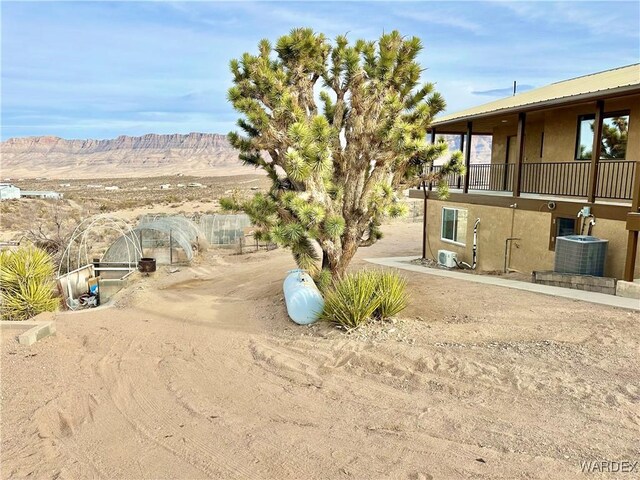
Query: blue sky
x,y
102,69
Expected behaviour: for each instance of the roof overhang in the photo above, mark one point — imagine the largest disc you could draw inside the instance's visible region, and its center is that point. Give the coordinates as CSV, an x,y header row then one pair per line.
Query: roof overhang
x,y
459,124
618,82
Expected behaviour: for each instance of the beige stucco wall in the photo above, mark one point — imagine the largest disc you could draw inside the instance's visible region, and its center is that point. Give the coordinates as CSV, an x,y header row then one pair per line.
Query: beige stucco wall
x,y
499,143
529,253
560,130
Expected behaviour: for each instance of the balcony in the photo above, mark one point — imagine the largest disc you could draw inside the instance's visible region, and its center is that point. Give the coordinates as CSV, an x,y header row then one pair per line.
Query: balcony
x,y
563,179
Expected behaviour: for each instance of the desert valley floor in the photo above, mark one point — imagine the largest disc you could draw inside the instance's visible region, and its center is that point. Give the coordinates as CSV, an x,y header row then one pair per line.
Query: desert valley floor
x,y
200,374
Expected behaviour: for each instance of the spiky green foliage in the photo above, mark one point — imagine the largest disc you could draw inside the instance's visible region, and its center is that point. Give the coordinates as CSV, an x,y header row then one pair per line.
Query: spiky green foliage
x,y
391,290
361,296
323,280
335,167
352,300
26,283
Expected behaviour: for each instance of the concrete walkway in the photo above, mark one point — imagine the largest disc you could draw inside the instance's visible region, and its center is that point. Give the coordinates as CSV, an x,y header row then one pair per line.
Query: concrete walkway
x,y
580,295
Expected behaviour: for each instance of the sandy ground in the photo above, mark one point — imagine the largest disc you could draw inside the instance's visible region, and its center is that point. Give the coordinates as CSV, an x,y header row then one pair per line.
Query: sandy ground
x,y
199,374
121,170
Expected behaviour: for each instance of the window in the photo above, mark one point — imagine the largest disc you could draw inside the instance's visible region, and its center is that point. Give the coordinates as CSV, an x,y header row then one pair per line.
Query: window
x,y
615,129
454,225
561,227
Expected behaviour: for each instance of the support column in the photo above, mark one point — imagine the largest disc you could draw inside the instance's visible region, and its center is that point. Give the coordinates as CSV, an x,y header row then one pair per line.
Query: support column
x,y
467,158
433,141
632,236
462,150
517,172
595,151
632,252
424,222
505,175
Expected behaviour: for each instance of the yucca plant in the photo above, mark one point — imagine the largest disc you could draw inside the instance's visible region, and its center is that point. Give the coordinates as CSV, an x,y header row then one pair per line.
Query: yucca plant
x,y
361,296
26,283
391,291
352,300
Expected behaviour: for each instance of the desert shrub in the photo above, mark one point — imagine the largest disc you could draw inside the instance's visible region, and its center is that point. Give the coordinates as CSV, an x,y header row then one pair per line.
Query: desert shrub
x,y
352,300
26,283
391,290
8,222
128,204
361,296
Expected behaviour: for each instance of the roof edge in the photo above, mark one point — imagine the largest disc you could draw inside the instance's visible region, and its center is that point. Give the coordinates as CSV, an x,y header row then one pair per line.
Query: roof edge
x,y
596,73
601,94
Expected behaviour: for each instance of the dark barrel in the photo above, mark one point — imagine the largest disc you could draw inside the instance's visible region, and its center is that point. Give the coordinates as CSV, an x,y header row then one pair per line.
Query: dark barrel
x,y
147,265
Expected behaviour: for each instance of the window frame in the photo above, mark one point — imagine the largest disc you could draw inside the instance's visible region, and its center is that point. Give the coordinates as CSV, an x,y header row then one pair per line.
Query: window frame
x,y
455,229
553,230
592,116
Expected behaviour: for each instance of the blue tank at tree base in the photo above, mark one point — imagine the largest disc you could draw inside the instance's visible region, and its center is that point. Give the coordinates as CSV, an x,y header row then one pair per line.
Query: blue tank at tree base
x,y
304,300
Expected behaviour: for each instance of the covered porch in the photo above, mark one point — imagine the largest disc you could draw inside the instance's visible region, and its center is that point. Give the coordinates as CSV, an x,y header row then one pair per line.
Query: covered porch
x,y
554,144
614,180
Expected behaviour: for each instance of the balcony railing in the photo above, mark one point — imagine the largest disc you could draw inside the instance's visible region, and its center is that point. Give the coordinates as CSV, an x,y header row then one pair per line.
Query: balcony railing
x,y
556,178
454,181
497,176
615,178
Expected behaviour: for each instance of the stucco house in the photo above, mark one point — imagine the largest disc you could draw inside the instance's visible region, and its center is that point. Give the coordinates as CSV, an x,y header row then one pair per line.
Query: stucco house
x,y
9,191
554,150
46,194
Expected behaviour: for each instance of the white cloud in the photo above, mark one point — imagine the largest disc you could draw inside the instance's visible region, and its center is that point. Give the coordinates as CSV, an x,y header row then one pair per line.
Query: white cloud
x,y
596,17
445,19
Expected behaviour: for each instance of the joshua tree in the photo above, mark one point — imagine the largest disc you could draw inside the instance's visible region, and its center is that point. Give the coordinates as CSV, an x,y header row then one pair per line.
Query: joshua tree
x,y
615,132
338,129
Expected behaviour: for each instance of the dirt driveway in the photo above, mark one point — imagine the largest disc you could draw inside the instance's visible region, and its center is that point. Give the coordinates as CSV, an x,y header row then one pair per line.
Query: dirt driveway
x,y
199,374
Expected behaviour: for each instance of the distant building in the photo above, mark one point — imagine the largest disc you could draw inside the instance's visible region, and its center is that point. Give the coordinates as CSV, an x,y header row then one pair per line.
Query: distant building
x,y
41,194
112,187
9,191
165,186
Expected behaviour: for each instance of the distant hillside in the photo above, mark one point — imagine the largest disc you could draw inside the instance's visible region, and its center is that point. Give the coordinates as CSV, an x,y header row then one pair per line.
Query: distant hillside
x,y
151,155
201,154
480,147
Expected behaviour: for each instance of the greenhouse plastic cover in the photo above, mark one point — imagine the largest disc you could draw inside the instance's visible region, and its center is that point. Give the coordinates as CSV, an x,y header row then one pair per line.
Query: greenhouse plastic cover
x,y
185,233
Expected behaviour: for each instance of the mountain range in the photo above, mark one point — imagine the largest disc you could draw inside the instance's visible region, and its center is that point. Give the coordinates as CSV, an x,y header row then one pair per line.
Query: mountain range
x,y
151,155
199,154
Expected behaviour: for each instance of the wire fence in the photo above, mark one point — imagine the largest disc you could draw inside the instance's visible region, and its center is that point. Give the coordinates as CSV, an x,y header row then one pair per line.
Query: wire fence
x,y
223,229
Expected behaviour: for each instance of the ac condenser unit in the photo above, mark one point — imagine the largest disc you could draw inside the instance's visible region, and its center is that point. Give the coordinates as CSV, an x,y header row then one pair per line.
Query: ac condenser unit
x,y
580,255
447,258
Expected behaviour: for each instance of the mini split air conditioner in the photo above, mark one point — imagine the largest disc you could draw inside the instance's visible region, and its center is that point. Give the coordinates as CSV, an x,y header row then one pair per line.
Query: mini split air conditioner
x,y
447,258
